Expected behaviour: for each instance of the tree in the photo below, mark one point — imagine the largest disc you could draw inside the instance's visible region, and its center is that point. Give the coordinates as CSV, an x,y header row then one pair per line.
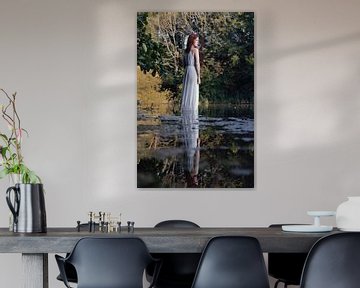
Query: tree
x,y
149,52
226,51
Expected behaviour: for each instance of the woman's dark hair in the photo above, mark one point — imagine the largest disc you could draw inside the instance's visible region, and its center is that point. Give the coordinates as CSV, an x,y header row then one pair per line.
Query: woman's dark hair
x,y
190,41
192,180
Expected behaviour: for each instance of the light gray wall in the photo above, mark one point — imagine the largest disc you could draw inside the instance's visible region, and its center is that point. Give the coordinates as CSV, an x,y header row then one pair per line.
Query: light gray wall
x,y
73,64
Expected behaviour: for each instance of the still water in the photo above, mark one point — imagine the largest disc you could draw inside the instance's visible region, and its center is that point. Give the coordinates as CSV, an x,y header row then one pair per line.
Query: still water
x,y
214,149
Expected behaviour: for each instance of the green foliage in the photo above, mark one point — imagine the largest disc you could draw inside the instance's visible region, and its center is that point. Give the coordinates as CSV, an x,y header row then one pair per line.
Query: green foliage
x,y
149,53
226,52
149,94
229,58
26,175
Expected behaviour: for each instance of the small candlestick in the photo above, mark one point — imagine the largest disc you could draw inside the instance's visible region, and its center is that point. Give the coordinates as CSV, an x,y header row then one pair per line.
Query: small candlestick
x,y
90,221
108,217
130,226
100,221
78,225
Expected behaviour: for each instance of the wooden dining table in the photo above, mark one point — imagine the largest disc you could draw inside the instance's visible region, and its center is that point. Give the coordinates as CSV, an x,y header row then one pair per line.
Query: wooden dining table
x,y
35,247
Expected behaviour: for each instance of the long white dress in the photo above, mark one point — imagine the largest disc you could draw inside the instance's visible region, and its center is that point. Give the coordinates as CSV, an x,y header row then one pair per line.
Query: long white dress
x,y
190,93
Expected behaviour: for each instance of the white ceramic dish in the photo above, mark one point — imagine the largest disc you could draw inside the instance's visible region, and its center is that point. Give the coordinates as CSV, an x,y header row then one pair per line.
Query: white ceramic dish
x,y
321,213
350,229
306,228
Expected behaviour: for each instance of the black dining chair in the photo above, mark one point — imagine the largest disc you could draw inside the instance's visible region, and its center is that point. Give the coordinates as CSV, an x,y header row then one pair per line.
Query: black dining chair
x,y
70,271
285,267
232,262
333,262
178,269
108,263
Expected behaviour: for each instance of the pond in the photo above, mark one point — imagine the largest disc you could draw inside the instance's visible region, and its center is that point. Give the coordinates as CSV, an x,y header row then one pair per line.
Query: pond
x,y
211,149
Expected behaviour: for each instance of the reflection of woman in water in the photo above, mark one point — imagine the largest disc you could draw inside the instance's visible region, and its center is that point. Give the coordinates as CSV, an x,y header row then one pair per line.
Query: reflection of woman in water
x,y
192,147
189,110
191,81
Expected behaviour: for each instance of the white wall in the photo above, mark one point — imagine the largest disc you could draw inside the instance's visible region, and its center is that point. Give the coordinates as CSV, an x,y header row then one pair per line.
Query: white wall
x,y
73,64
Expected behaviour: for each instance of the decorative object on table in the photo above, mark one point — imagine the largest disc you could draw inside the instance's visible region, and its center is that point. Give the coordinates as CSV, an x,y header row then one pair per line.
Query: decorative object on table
x,y
28,208
130,225
78,225
348,214
102,222
316,227
12,161
27,204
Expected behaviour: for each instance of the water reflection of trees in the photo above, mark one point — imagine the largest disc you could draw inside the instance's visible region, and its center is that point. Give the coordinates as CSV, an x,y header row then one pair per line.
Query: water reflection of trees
x,y
227,155
226,161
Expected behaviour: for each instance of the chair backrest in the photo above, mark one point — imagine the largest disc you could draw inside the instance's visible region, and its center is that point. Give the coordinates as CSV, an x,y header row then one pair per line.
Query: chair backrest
x,y
333,262
176,224
287,267
110,262
178,269
232,262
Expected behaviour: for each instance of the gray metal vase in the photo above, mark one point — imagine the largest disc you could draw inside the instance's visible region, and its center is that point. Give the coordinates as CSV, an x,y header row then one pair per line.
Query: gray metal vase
x,y
28,207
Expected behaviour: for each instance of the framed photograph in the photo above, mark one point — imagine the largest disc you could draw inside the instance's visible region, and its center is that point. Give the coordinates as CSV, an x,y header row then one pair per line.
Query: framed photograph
x,y
195,99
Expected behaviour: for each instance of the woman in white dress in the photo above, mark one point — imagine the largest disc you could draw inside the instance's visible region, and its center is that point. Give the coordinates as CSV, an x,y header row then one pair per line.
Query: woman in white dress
x,y
191,81
189,110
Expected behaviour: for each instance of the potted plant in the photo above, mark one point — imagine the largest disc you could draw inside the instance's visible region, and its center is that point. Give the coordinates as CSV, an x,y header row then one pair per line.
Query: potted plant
x,y
26,198
11,159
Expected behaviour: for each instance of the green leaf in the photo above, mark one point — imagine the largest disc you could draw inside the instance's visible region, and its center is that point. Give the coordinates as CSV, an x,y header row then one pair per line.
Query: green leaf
x,y
3,151
3,173
4,137
26,132
27,175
